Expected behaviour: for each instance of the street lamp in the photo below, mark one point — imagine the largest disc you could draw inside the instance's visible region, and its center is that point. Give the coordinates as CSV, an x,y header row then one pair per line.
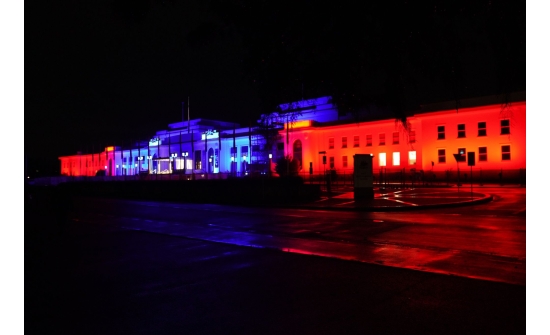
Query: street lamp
x,y
184,155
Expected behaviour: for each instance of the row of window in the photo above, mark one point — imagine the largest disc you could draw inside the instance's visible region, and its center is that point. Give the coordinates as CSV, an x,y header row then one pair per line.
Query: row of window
x,y
381,140
505,152
481,129
441,154
396,159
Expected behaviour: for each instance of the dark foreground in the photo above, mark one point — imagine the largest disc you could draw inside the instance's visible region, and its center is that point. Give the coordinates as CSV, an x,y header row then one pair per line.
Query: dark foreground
x,y
98,279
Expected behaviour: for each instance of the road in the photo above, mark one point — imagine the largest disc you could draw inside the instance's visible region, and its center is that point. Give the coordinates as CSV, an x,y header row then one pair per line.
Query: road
x,y
113,267
486,241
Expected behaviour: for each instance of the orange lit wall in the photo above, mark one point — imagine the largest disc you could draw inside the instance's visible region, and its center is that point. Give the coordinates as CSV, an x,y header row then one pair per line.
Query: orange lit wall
x,y
82,165
426,145
316,139
493,141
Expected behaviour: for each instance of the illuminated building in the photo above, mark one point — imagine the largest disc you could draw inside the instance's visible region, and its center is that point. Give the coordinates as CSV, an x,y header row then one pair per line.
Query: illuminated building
x,y
426,142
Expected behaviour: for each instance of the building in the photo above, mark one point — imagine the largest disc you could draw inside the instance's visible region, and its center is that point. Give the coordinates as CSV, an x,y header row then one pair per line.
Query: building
x,y
320,139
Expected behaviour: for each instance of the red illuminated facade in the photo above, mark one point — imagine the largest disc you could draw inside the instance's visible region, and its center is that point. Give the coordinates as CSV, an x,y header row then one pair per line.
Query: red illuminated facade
x,y
495,132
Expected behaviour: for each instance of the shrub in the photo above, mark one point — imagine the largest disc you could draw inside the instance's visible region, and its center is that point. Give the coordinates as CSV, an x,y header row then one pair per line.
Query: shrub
x,y
286,166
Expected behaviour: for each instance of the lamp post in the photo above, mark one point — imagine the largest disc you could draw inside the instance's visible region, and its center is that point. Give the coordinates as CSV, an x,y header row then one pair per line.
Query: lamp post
x,y
184,155
173,157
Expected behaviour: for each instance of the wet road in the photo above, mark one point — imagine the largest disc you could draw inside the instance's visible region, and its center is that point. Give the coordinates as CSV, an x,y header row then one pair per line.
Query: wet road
x,y
485,241
127,267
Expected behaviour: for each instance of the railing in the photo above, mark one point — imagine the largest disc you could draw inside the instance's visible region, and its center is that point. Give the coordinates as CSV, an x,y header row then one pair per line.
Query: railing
x,y
382,178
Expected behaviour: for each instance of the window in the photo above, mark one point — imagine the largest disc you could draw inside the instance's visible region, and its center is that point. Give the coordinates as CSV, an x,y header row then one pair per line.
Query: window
x,y
396,161
506,153
441,155
463,152
382,139
331,161
396,137
356,141
244,152
345,161
382,158
440,132
412,136
461,130
198,160
504,127
412,157
331,143
369,140
482,154
481,129
344,142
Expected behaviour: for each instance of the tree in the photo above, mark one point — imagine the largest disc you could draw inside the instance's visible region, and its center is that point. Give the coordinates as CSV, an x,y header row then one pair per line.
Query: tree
x,y
286,163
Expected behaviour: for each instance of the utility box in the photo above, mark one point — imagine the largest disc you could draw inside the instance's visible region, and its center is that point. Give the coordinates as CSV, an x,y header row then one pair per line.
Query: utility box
x,y
362,177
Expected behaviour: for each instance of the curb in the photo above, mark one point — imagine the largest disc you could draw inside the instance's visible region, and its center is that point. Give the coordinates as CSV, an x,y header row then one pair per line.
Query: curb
x,y
487,198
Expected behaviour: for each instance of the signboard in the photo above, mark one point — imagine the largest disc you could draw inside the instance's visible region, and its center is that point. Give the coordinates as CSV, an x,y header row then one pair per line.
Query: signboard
x,y
471,158
363,176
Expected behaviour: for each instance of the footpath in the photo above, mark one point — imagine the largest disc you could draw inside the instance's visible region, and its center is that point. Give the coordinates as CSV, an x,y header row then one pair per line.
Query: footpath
x,y
399,199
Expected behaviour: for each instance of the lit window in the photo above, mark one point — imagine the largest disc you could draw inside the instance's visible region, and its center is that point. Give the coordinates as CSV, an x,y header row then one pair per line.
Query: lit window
x,y
344,142
504,127
331,143
412,157
356,141
369,140
441,155
331,161
396,138
481,129
482,155
461,130
382,158
462,151
345,161
412,136
396,161
506,156
382,139
440,132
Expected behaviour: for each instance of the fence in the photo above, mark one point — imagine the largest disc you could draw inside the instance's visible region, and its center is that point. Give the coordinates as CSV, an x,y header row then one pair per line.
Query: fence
x,y
383,178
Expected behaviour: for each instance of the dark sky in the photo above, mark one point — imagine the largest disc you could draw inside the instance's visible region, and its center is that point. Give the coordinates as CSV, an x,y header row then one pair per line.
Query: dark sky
x,y
99,72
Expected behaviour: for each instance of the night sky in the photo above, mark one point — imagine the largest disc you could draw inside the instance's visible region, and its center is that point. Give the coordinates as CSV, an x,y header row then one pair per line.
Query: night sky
x,y
98,73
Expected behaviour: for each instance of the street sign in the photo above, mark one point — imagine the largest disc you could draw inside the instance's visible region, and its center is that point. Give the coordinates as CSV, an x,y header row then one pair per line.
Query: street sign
x,y
471,158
